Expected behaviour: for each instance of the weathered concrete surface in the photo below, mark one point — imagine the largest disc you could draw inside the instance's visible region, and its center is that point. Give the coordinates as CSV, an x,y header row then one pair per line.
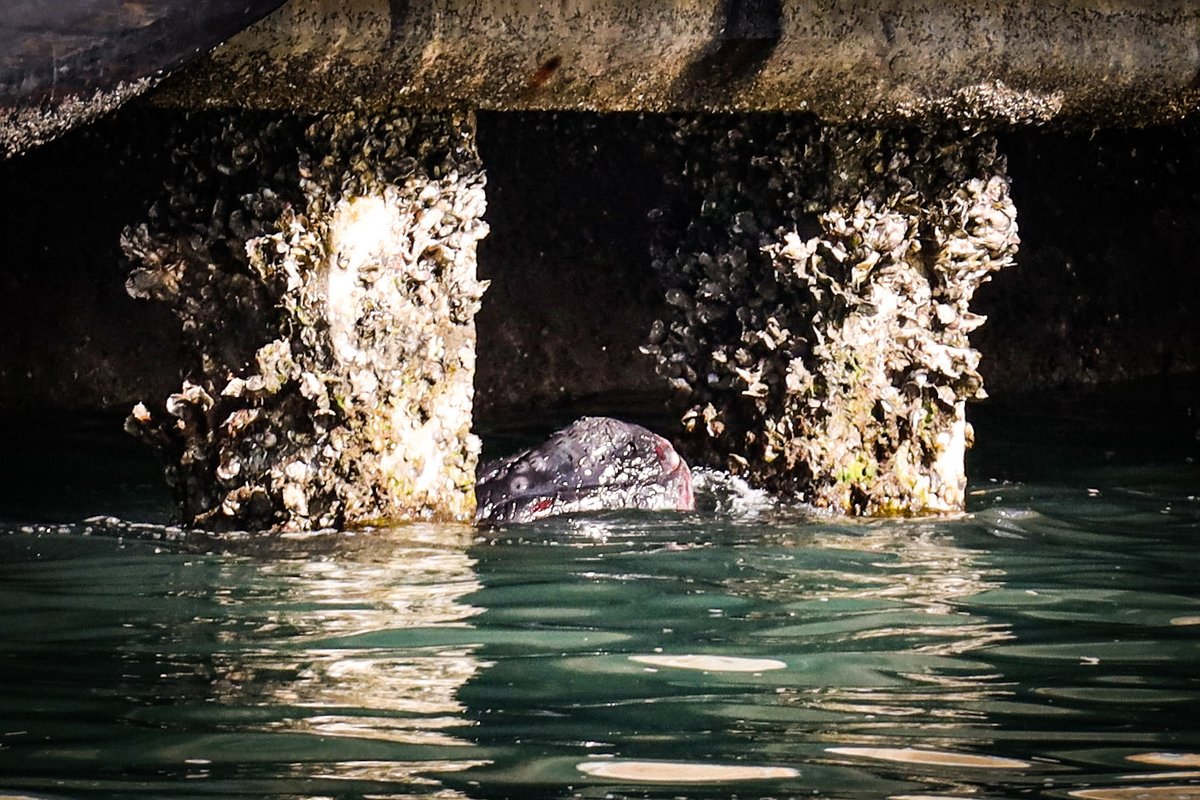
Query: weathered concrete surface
x,y
325,281
1013,61
65,63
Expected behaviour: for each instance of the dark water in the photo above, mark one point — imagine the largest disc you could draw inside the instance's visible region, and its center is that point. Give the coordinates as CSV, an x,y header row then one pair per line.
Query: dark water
x,y
1045,644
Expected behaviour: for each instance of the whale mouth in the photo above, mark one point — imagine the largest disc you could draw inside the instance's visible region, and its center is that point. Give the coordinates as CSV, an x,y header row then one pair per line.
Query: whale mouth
x,y
677,472
595,464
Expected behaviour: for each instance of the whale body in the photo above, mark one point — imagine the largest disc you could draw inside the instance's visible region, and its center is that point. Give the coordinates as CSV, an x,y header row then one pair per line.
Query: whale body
x,y
594,464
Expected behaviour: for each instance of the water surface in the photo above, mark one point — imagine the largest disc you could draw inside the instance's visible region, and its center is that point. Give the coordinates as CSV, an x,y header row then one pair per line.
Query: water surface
x,y
1045,644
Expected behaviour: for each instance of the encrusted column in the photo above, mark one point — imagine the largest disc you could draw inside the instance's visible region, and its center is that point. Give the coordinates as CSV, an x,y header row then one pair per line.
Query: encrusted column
x,y
821,281
324,274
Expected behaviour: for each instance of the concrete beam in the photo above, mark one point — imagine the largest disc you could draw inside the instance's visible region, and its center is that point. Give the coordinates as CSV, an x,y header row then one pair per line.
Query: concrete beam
x,y
1088,62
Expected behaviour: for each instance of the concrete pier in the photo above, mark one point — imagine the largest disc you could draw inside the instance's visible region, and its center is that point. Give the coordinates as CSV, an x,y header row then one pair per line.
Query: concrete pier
x,y
329,301
820,279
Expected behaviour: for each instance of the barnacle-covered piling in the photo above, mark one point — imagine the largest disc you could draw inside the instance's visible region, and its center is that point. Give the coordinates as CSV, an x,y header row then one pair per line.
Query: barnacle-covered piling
x,y
324,274
821,279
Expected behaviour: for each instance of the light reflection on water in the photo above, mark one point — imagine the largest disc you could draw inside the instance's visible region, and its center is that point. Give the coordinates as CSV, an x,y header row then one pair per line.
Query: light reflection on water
x,y
1044,644
368,692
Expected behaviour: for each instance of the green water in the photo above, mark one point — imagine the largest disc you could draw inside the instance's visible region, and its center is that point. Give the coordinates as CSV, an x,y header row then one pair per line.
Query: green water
x,y
1045,644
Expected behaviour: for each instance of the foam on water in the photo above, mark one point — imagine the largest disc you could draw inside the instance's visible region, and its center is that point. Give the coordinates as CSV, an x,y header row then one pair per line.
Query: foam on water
x,y
718,492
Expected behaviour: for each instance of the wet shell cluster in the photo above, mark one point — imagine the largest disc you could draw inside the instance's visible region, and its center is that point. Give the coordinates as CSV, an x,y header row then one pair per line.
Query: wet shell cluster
x,y
324,274
820,279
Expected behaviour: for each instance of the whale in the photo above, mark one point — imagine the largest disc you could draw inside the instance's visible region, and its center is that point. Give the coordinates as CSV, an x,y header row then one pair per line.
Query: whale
x,y
594,464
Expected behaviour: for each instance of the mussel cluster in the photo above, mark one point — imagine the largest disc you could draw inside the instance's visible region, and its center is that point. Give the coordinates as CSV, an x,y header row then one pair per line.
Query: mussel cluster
x,y
324,274
820,279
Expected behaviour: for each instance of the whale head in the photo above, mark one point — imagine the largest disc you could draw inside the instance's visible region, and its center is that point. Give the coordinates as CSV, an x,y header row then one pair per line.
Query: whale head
x,y
596,463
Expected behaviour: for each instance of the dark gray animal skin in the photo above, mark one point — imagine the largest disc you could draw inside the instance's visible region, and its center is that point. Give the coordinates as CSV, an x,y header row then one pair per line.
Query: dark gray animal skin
x,y
596,463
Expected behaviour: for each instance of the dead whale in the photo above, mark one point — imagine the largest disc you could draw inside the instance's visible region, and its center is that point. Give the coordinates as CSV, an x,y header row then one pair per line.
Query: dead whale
x,y
594,464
